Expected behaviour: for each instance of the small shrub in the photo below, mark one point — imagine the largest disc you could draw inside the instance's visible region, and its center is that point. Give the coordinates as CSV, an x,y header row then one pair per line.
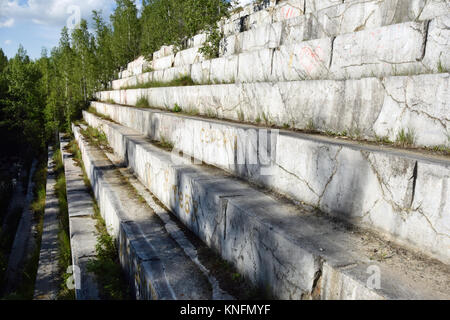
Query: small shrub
x,y
177,108
210,49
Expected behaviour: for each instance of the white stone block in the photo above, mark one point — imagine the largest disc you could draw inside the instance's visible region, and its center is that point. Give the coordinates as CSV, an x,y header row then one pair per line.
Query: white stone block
x,y
306,60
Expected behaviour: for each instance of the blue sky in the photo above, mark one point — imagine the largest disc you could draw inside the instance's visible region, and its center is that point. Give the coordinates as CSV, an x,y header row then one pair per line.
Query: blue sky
x,y
37,23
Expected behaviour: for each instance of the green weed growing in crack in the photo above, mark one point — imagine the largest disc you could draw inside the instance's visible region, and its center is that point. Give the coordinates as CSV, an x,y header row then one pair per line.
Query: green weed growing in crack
x,y
311,126
240,115
406,137
148,69
440,68
166,143
266,119
354,133
177,108
382,139
142,103
193,112
210,113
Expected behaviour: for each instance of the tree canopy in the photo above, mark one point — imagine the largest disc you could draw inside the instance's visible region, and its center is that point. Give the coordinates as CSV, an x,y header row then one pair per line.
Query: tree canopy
x,y
39,97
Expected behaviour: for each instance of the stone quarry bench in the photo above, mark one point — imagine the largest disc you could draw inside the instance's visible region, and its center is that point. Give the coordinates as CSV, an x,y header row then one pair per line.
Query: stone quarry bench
x,y
290,251
156,266
379,188
371,107
402,49
82,229
286,27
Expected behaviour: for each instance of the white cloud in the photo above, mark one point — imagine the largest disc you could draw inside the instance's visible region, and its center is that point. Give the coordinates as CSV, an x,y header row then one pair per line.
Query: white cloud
x,y
48,12
6,23
244,2
7,42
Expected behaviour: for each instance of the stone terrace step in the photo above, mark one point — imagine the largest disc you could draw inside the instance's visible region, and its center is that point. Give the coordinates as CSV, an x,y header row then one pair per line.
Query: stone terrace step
x,y
404,49
369,107
339,19
83,233
156,266
287,25
293,252
388,192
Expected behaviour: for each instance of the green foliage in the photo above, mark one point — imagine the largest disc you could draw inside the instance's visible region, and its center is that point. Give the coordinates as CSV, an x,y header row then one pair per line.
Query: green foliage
x,y
177,108
21,105
107,268
25,290
166,22
127,32
405,138
210,49
3,60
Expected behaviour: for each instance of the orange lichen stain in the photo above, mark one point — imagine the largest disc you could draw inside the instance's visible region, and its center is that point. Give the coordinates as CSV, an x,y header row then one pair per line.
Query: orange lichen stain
x,y
187,204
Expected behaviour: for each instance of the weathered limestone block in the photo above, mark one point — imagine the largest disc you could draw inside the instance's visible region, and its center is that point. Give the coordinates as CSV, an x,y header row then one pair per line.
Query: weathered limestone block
x,y
382,190
258,18
316,5
288,10
384,51
255,65
437,55
196,41
135,67
200,72
124,74
351,17
163,62
264,37
306,60
419,104
170,74
164,51
224,70
187,57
